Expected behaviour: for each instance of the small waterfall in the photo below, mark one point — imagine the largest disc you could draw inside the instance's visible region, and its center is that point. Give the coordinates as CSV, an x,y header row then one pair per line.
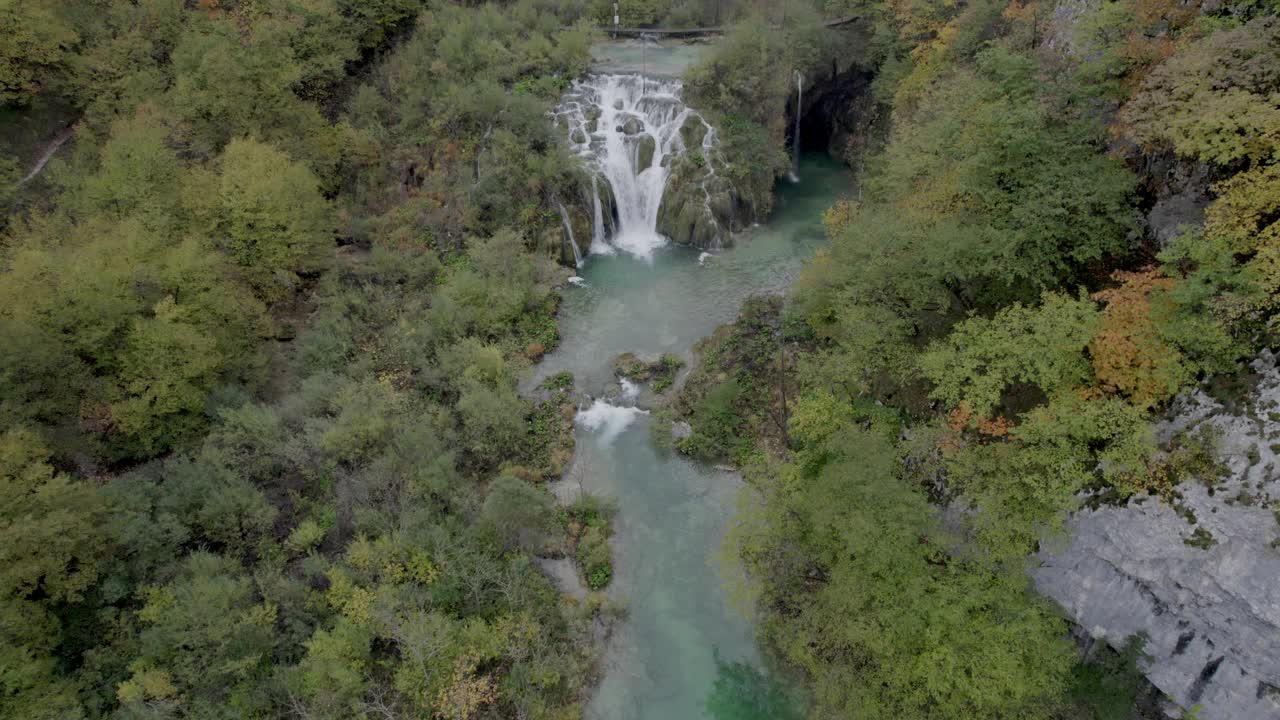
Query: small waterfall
x,y
598,244
568,234
627,128
608,419
795,140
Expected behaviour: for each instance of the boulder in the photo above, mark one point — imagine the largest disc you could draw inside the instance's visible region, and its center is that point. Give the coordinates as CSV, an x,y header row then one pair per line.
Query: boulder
x,y
681,430
693,132
632,125
644,153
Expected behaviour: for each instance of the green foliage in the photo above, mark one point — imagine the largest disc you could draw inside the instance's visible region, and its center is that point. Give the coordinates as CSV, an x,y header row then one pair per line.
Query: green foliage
x,y
52,542
743,84
36,41
899,626
1023,486
142,326
271,219
1211,100
520,515
326,514
1108,683
1009,192
982,359
207,638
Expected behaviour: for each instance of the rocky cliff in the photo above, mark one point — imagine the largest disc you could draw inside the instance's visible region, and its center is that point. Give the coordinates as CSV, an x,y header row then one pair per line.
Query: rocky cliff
x,y
1198,576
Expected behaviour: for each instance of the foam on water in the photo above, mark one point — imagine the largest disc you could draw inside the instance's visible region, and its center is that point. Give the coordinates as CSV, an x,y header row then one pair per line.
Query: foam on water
x,y
607,419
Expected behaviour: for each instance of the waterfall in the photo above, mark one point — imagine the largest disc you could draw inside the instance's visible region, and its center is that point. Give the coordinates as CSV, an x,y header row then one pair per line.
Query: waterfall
x,y
627,128
598,244
568,234
795,140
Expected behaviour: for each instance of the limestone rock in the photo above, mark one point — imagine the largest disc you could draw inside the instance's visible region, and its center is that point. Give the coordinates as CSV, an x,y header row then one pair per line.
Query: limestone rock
x,y
631,126
1210,610
644,153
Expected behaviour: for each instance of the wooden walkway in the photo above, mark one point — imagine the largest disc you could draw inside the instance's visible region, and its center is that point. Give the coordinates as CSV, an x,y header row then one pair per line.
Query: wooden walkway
x,y
659,33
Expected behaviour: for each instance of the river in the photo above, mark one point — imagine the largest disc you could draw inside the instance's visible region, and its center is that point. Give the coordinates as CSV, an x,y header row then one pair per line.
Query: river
x,y
681,635
684,652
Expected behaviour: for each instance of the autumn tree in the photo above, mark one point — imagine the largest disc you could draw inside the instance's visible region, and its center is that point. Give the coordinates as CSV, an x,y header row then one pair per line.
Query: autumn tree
x,y
1128,354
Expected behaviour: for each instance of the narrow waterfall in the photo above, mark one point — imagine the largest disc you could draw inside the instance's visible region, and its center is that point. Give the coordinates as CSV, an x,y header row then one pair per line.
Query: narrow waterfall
x,y
627,128
795,140
598,244
568,234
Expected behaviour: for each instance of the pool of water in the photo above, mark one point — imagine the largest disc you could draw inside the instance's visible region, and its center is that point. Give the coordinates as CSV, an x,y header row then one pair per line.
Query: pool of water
x,y
666,58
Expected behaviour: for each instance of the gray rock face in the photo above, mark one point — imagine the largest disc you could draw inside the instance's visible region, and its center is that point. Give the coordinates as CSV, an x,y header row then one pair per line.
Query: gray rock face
x,y
1210,610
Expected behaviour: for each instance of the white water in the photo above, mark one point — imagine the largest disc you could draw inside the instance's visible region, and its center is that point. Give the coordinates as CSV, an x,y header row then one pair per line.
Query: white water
x,y
608,420
630,390
598,244
795,149
568,234
649,108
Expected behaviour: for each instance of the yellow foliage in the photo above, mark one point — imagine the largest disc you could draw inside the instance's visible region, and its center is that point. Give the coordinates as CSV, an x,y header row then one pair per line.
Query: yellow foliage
x,y
421,569
146,684
466,692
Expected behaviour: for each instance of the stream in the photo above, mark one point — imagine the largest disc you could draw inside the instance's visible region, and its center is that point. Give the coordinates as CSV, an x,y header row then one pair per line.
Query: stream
x,y
684,651
682,638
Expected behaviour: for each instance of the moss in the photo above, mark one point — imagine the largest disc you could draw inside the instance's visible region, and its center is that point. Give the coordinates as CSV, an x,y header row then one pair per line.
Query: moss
x,y
562,380
1201,539
661,372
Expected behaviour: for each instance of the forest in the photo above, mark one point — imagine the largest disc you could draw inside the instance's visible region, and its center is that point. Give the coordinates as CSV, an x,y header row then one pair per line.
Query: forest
x,y
265,313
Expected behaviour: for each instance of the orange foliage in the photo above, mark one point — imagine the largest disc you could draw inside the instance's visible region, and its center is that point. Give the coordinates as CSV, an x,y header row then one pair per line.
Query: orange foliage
x,y
1151,39
1129,357
962,418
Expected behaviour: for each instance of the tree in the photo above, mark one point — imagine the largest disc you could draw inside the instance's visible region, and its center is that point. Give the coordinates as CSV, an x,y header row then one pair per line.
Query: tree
x,y
230,84
139,175
520,515
52,550
35,40
51,536
882,616
1213,99
1012,192
271,219
1129,355
984,358
206,641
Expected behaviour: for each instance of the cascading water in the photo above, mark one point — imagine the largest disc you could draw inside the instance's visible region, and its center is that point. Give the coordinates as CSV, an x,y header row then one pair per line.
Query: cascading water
x,y
627,128
568,234
795,140
598,244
